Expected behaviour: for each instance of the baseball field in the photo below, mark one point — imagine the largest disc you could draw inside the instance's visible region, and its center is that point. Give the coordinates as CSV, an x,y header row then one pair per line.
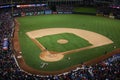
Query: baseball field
x,y
57,42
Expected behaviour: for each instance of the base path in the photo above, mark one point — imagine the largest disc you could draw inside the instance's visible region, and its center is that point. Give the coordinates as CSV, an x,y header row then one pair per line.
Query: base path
x,y
94,38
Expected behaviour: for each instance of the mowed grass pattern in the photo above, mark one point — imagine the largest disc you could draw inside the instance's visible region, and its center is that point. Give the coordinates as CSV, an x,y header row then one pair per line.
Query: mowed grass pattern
x,y
30,52
74,42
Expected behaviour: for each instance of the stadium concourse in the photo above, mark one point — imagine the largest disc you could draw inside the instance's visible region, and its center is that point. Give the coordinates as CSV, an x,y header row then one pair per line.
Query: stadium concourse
x,y
9,70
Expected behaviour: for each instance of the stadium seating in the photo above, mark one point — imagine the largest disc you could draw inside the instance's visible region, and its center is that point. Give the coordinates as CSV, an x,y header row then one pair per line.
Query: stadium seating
x,y
64,9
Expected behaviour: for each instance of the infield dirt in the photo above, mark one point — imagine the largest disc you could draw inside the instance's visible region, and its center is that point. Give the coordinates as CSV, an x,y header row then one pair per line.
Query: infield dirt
x,y
94,38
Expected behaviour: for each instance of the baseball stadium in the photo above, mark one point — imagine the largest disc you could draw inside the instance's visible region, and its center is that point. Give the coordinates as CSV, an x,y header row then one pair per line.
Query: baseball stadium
x,y
59,39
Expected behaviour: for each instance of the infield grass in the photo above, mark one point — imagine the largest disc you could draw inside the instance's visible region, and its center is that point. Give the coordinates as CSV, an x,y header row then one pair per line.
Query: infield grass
x,y
74,42
30,52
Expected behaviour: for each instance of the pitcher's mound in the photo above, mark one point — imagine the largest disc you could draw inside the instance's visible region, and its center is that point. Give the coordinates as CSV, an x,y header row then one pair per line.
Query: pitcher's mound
x,y
62,41
50,56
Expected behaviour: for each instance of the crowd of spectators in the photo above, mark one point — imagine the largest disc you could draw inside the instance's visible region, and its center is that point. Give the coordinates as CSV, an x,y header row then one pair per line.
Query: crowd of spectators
x,y
31,9
108,11
64,8
19,1
6,27
36,10
9,70
104,10
116,13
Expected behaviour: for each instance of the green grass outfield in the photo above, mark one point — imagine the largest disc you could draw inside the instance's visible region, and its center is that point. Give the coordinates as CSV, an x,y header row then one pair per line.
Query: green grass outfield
x,y
105,26
74,42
